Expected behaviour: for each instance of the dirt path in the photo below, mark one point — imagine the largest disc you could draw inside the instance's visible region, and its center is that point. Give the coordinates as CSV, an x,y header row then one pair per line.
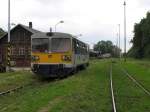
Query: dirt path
x,y
50,105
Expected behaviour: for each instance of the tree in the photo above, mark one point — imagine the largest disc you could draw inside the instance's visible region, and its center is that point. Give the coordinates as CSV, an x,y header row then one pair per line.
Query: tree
x,y
106,47
103,47
141,39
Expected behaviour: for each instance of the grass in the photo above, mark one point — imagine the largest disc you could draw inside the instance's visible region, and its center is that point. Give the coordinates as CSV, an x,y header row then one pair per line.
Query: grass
x,y
139,70
14,79
129,97
87,91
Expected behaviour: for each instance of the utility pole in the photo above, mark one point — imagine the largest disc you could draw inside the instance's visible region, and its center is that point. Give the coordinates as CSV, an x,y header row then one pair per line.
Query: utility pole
x,y
117,46
119,42
124,31
8,21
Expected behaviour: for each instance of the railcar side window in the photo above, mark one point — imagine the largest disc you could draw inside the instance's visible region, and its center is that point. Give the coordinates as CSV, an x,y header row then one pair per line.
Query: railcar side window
x,y
80,48
40,45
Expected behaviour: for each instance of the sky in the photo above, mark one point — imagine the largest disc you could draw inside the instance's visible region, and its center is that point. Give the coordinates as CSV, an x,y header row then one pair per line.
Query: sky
x,y
95,19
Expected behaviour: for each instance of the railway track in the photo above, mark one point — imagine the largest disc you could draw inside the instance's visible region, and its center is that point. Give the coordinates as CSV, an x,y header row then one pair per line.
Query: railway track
x,y
34,84
112,91
129,76
14,89
135,81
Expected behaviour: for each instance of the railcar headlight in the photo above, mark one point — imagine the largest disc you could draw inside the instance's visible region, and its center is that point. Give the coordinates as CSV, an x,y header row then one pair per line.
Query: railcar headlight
x,y
66,58
35,58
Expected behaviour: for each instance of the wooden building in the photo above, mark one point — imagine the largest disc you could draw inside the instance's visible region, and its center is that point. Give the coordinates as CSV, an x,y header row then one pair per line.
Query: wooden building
x,y
20,46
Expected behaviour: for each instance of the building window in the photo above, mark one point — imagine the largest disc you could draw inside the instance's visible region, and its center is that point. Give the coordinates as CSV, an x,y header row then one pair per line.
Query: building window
x,y
29,51
13,51
22,51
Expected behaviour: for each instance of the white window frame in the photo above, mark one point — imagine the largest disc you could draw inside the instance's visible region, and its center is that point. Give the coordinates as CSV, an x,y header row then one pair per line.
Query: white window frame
x,y
22,51
13,51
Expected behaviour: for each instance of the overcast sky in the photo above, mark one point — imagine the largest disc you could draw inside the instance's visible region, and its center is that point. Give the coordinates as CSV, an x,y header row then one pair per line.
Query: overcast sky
x,y
94,19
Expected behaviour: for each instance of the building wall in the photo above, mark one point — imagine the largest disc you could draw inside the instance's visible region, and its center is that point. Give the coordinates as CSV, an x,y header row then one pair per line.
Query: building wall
x,y
3,45
20,47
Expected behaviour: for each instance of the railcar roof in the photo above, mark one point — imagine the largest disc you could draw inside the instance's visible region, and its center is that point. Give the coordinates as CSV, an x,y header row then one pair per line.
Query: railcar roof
x,y
55,35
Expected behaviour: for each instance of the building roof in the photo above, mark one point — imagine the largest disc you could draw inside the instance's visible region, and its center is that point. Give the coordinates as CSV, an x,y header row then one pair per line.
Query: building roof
x,y
33,31
29,29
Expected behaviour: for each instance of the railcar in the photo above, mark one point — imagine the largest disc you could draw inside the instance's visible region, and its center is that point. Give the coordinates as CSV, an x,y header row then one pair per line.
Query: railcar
x,y
57,54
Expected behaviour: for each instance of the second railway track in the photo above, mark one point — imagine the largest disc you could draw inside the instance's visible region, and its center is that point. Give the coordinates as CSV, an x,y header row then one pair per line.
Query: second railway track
x,y
140,87
136,82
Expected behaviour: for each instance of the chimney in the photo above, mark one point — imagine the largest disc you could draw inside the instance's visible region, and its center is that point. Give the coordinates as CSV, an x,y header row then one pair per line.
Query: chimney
x,y
30,25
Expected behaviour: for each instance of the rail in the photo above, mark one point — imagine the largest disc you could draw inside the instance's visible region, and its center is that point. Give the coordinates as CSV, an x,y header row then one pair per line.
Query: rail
x,y
112,90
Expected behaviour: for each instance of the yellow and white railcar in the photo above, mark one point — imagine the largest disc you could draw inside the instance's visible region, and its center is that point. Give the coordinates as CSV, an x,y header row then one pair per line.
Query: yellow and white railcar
x,y
57,54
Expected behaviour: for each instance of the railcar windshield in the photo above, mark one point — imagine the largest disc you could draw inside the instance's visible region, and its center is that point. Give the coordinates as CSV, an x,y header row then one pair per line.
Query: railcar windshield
x,y
60,44
40,45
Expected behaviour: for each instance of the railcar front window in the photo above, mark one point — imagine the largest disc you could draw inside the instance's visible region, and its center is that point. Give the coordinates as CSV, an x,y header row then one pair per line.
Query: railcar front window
x,y
61,44
40,45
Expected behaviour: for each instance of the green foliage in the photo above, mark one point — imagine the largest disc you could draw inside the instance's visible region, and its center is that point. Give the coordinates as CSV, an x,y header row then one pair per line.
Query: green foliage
x,y
133,52
106,47
147,51
141,39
